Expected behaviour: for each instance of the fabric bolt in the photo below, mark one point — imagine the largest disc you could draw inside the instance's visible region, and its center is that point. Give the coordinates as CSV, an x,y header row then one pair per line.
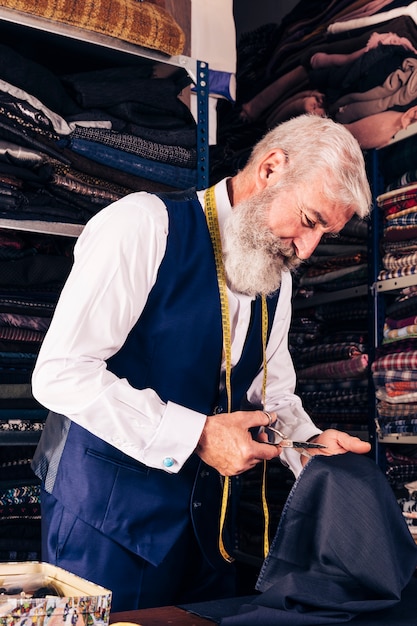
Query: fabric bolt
x,y
178,177
320,260
399,333
398,247
355,567
148,98
379,17
112,175
91,191
357,80
397,91
328,352
36,79
392,262
165,153
397,197
385,377
327,276
391,323
20,426
401,344
382,394
402,308
403,271
185,137
397,361
349,368
388,411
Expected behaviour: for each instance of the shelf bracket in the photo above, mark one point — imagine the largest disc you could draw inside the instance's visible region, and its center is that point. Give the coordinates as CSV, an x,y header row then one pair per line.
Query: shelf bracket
x,y
202,89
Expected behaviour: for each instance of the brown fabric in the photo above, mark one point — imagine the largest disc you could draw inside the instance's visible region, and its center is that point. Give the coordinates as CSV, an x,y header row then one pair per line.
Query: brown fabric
x,y
145,24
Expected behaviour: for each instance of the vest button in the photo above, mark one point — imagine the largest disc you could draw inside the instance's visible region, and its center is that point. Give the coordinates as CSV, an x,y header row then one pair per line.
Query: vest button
x,y
168,461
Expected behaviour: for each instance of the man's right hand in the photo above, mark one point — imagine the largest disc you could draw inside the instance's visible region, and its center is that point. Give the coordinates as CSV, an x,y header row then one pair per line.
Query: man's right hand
x,y
226,442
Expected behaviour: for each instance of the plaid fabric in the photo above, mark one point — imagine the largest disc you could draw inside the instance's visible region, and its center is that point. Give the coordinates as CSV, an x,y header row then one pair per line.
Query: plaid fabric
x,y
399,247
141,23
387,411
396,361
347,368
401,386
382,394
392,262
398,427
397,196
385,377
404,271
409,219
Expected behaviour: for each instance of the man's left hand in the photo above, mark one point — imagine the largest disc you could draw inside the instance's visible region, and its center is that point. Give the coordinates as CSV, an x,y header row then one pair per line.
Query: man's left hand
x,y
338,442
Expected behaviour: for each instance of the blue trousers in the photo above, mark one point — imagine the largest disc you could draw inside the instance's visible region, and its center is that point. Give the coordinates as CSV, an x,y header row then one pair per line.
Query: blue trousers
x,y
183,576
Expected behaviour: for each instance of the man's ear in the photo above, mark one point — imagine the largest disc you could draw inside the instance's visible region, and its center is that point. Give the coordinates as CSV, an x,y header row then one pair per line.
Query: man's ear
x,y
271,167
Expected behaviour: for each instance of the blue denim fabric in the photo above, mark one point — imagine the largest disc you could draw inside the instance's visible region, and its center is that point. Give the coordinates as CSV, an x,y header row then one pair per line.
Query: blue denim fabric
x,y
178,177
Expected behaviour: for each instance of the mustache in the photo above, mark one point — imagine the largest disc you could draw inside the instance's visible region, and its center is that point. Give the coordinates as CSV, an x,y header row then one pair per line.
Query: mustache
x,y
277,248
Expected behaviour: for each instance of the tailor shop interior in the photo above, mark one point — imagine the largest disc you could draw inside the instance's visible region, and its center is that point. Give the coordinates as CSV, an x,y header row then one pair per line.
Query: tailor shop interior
x,y
353,336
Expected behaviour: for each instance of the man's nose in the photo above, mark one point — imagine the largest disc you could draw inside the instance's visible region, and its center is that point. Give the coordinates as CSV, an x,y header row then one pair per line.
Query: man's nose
x,y
307,243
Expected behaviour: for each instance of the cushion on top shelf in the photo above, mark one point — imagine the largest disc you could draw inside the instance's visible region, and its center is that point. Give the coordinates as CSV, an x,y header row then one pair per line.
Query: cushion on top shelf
x,y
145,24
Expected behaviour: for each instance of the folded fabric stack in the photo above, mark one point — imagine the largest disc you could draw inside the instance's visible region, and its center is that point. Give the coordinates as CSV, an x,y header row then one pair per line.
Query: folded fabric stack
x,y
33,269
20,513
71,144
394,367
408,504
353,62
329,342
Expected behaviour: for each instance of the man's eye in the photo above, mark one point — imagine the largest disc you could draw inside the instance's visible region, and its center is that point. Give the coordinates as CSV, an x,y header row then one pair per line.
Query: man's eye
x,y
309,223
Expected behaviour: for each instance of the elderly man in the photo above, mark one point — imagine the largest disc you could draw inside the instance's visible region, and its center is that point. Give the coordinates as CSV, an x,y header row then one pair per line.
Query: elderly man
x,y
168,348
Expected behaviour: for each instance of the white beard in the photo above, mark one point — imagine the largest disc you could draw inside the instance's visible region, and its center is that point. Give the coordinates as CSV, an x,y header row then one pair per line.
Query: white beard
x,y
253,256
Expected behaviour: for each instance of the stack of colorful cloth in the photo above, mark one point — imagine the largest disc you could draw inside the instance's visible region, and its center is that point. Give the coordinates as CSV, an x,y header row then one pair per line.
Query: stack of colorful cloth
x,y
394,367
329,341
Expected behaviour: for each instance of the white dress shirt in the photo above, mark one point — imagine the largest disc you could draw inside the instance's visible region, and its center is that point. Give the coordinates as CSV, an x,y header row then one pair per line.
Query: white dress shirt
x,y
116,260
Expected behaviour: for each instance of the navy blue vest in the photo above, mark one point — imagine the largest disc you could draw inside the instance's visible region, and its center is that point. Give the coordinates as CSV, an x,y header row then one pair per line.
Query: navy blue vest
x,y
176,349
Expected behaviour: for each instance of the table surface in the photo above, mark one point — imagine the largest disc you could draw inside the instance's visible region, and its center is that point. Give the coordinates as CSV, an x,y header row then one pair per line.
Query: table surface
x,y
161,616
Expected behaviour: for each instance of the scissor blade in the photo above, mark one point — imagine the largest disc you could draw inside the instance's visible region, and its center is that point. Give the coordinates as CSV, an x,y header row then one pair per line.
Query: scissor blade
x,y
307,444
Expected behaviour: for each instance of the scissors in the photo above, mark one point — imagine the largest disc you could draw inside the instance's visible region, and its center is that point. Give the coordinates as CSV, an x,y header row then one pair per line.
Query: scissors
x,y
277,438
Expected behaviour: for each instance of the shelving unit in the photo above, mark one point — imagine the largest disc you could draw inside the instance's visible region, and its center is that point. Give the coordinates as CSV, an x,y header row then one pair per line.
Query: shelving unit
x,y
395,452
74,45
68,37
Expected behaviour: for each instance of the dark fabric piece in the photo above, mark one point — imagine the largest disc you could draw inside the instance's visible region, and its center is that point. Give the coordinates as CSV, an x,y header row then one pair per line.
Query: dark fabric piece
x,y
37,80
342,549
403,614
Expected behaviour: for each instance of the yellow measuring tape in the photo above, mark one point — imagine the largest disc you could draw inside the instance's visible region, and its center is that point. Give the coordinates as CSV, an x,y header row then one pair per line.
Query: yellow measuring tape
x,y
213,226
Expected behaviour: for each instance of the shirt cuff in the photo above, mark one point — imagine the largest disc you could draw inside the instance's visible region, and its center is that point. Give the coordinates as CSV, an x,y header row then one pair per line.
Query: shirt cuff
x,y
176,438
292,458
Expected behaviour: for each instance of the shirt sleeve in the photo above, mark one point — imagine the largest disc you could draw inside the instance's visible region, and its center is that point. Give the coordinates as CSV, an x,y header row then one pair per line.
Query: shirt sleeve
x,y
281,379
116,260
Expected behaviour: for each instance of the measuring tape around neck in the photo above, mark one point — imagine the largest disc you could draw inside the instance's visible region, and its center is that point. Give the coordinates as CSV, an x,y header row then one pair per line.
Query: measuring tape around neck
x,y
213,226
